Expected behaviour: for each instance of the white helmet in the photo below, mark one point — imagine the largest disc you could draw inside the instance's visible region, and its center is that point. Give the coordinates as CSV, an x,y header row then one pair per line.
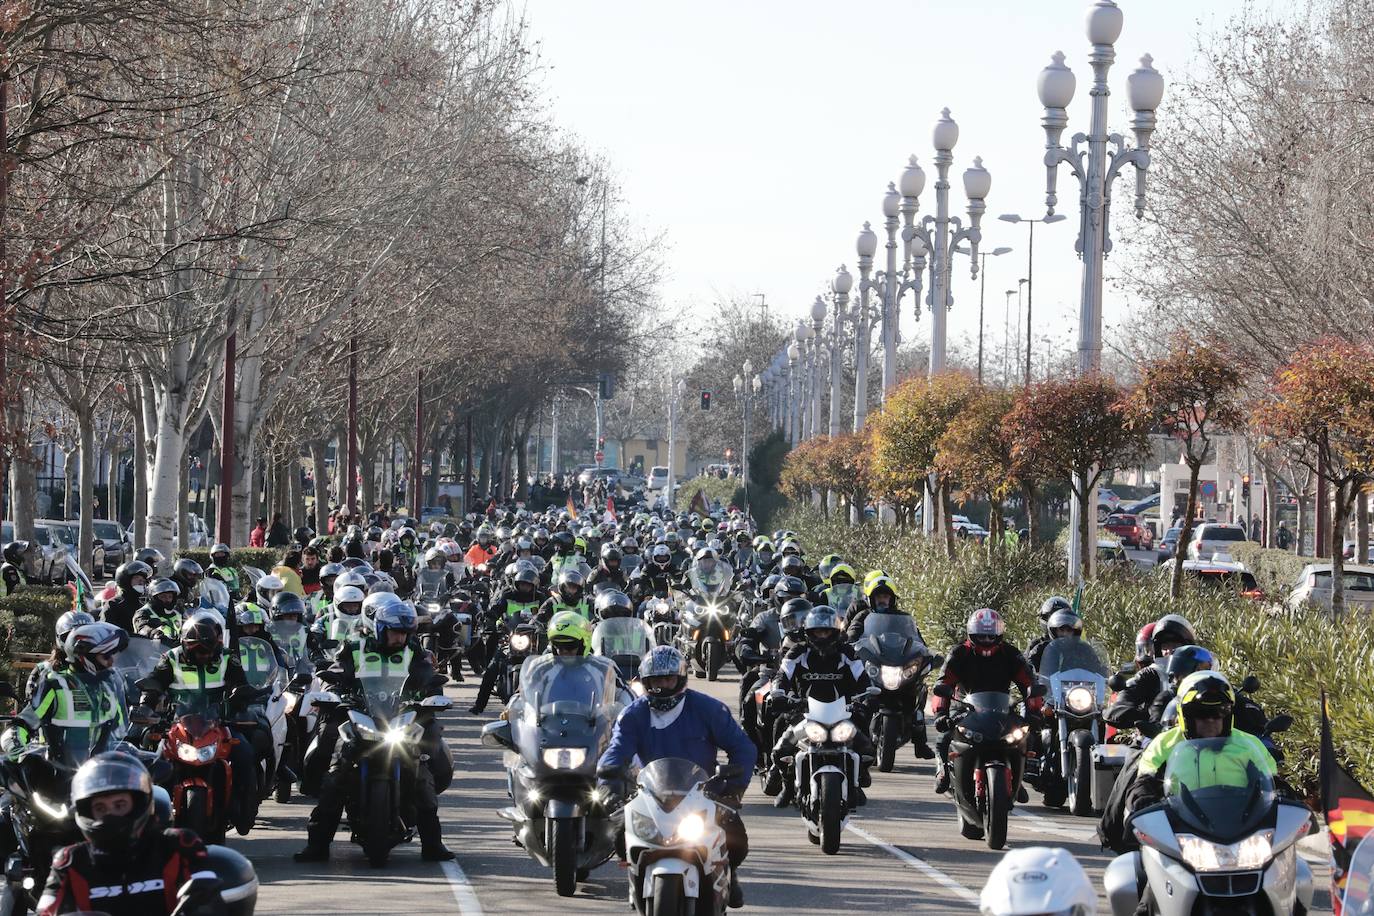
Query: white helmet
x,y
1038,879
347,595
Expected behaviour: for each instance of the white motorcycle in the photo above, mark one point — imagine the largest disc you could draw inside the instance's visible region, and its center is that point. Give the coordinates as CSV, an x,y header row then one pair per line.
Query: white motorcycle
x,y
1221,841
826,769
675,846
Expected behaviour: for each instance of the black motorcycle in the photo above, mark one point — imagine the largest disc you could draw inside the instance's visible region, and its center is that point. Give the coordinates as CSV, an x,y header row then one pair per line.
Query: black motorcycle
x,y
758,653
897,663
445,622
1076,678
708,621
987,757
524,637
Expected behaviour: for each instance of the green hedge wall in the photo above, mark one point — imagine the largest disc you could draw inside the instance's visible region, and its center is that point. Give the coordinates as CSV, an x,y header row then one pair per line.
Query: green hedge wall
x,y
27,621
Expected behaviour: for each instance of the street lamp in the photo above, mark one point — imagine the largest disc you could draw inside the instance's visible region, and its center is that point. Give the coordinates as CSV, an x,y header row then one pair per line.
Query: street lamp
x,y
866,246
1030,271
982,289
1006,339
840,286
933,234
1096,169
796,356
817,326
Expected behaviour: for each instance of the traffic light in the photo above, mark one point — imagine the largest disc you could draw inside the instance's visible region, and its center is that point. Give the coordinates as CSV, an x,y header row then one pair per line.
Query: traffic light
x,y
601,444
706,400
1245,481
606,386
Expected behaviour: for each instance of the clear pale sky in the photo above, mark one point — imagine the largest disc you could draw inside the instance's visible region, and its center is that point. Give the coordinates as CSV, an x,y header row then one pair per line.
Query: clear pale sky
x,y
760,134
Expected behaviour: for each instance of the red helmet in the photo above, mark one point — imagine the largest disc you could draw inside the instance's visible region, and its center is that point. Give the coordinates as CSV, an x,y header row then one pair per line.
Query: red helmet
x,y
985,629
1144,645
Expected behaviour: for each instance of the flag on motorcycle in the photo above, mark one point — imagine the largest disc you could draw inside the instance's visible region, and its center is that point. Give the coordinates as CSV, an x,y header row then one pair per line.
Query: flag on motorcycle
x,y
572,510
1349,810
699,504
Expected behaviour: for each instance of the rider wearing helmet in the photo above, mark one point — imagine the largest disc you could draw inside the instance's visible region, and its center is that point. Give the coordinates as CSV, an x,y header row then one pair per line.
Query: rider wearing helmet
x,y
14,570
569,634
826,668
1038,881
386,644
128,864
1131,708
1063,622
159,618
202,667
612,603
222,569
79,689
569,597
1047,608
839,587
521,601
132,579
672,721
187,574
880,597
983,662
655,577
268,587
608,569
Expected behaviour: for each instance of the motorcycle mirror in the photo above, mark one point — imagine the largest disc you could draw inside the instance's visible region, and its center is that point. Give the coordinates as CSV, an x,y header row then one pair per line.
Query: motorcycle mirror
x,y
1250,685
726,772
436,702
1117,681
497,735
1280,723
943,691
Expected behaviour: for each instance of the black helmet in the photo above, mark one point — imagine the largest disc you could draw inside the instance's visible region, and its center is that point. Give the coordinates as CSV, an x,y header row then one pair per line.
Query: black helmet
x,y
822,628
219,551
164,587
287,603
187,574
103,774
1172,629
91,639
792,565
563,542
202,637
152,556
611,554
14,552
614,603
1054,603
769,584
124,577
793,615
787,588
1203,694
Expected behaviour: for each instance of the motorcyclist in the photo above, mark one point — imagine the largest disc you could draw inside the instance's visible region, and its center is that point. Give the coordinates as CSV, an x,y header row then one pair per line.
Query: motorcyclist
x,y
58,658
608,570
406,551
568,597
14,570
1131,707
437,561
220,568
1047,608
983,662
743,557
765,556
880,597
201,664
520,600
681,557
132,579
481,550
672,721
268,588
252,621
826,669
654,578
340,622
387,643
1063,622
188,575
128,865
159,618
77,690
1038,881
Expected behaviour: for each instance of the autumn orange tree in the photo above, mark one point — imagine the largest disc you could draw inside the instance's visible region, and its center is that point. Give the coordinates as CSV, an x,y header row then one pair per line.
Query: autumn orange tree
x,y
1323,399
828,464
975,451
1192,392
1077,429
906,437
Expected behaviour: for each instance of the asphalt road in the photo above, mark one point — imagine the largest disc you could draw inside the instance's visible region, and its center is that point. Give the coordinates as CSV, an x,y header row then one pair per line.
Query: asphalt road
x,y
902,854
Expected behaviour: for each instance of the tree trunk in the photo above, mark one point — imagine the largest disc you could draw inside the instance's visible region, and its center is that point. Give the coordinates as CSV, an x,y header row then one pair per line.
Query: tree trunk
x,y
946,517
368,465
85,541
995,542
1362,526
23,495
243,504
1032,521
1338,516
1176,577
183,504
522,466
1304,501
1271,508
318,456
165,485
1085,555
295,492
140,478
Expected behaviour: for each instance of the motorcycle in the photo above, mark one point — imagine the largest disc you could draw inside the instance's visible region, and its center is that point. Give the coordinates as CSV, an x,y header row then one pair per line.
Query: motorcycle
x,y
1221,841
300,714
987,757
898,662
382,738
625,641
446,624
197,745
268,718
524,639
707,621
674,843
1077,679
555,732
664,618
759,652
825,769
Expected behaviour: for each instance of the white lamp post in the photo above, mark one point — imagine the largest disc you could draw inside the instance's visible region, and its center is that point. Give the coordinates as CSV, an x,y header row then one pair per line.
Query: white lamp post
x,y
675,394
866,246
817,326
840,286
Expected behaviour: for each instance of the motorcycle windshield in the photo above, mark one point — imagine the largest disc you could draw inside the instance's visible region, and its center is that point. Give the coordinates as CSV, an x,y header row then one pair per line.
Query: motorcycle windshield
x,y
214,594
385,692
620,636
842,597
290,636
578,686
769,628
991,701
890,639
139,657
1213,786
1071,653
671,779
1359,886
711,579
70,746
631,563
429,584
259,661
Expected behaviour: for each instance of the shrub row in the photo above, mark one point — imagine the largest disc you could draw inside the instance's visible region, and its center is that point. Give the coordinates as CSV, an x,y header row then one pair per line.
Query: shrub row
x,y
1295,656
713,488
27,621
1275,570
263,558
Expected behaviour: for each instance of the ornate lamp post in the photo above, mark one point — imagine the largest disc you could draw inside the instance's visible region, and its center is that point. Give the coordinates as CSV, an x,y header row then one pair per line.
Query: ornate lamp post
x,y
866,247
840,286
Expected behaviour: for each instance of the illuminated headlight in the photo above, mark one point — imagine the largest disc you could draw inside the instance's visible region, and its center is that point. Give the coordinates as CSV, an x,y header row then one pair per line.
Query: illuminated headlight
x,y
1080,700
712,610
564,758
520,642
404,734
1204,855
55,811
816,732
844,732
367,732
891,677
192,754
1016,734
691,828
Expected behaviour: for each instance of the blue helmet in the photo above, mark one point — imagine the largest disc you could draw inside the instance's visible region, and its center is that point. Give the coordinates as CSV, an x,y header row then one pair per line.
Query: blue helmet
x,y
664,661
388,612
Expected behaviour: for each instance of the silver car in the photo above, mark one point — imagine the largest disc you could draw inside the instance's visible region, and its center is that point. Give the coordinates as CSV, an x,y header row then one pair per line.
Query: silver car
x,y
1211,538
1314,587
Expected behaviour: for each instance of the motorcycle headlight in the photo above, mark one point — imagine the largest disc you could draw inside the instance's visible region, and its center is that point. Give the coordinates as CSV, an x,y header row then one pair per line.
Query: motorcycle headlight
x,y
1204,855
367,732
644,827
55,811
816,732
1016,734
404,734
844,732
564,758
520,642
691,828
891,677
193,754
1080,700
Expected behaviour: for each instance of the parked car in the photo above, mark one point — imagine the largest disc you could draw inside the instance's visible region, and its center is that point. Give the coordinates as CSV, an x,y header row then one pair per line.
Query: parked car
x,y
117,549
198,536
1313,586
1211,538
631,481
1141,507
48,551
1168,544
658,478
1350,551
1107,501
1110,554
1130,530
1221,573
964,527
68,533
591,475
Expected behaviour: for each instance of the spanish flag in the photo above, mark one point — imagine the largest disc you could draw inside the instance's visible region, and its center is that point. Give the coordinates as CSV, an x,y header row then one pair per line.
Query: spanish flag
x,y
1349,810
572,510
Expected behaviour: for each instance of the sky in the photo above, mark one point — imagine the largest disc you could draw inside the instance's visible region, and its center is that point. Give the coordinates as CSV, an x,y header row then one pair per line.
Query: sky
x,y
759,135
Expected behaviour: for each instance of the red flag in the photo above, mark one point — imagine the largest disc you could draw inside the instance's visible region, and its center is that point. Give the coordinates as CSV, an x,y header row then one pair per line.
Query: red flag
x,y
699,504
1349,810
610,508
572,510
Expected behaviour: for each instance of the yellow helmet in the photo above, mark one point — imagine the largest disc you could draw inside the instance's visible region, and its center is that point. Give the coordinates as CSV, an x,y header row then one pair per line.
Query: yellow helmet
x,y
839,568
872,582
570,625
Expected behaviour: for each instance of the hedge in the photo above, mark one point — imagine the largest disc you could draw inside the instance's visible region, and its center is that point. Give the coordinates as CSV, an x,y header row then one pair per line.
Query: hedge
x,y
1294,655
1275,570
263,558
723,492
28,619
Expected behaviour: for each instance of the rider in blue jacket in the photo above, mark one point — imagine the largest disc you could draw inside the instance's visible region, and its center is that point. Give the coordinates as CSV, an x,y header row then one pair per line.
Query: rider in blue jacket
x,y
672,721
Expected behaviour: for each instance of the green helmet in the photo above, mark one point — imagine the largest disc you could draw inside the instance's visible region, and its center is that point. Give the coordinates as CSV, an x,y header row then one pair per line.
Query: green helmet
x,y
569,626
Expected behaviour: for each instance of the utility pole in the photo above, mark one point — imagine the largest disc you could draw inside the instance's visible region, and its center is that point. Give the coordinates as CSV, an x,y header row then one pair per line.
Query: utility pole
x,y
416,485
227,446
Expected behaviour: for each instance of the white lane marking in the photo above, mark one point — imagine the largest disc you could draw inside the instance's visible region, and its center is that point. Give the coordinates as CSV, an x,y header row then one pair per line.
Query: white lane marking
x,y
462,889
1041,825
921,865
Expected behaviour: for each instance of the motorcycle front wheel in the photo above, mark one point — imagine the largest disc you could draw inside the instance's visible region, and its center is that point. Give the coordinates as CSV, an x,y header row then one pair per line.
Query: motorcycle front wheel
x,y
710,656
999,806
379,820
889,736
669,900
563,853
195,811
830,810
